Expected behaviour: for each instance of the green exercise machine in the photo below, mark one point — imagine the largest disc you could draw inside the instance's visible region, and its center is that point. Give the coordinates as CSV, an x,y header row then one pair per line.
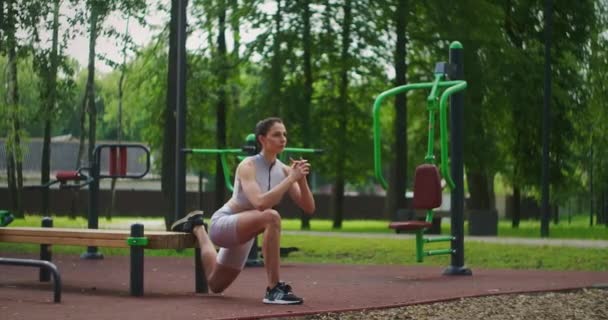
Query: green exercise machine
x,y
446,85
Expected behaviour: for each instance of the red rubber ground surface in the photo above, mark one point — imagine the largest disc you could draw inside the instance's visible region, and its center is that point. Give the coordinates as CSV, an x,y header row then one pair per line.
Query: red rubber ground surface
x,y
100,289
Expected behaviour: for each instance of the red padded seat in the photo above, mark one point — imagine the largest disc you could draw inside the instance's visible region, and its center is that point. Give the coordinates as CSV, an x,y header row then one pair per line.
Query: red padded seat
x,y
427,187
410,225
67,175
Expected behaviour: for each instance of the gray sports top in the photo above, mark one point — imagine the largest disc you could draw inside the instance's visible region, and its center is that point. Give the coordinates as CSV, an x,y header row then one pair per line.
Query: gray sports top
x,y
267,175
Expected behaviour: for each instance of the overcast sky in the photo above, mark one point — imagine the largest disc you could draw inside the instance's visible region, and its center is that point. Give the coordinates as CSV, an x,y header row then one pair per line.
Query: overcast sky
x,y
79,47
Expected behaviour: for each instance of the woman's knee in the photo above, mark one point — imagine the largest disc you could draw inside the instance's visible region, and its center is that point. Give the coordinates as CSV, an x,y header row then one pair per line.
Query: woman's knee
x,y
272,218
217,288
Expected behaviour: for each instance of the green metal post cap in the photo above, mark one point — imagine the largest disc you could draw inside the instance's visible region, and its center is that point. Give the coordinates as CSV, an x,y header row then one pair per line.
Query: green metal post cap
x,y
137,241
250,137
456,45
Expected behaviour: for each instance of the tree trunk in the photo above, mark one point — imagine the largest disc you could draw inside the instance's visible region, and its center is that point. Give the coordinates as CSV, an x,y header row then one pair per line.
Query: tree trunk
x,y
123,71
308,91
479,190
398,178
169,119
276,71
516,207
91,106
220,185
235,91
88,104
338,196
591,191
13,147
49,99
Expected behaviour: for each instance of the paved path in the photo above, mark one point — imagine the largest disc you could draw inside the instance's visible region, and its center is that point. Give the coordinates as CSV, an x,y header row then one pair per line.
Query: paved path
x,y
502,240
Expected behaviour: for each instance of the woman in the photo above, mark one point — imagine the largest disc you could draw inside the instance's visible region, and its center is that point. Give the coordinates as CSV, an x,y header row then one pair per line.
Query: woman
x,y
260,183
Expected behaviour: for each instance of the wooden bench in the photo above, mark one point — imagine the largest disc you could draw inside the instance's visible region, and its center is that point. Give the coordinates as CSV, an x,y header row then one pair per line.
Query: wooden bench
x,y
135,239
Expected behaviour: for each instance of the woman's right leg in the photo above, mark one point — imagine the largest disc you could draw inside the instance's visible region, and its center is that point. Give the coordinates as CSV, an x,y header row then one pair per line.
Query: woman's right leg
x,y
219,277
248,225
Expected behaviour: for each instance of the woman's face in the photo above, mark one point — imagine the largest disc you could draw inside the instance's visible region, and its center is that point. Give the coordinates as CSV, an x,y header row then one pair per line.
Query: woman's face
x,y
275,139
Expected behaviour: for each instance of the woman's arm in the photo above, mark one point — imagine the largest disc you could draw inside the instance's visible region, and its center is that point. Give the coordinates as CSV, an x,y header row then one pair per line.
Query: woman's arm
x,y
300,193
265,200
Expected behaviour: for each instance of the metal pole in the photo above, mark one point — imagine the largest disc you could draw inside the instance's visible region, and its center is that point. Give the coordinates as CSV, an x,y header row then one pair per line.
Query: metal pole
x,y
457,164
180,105
544,226
137,262
200,280
93,220
45,252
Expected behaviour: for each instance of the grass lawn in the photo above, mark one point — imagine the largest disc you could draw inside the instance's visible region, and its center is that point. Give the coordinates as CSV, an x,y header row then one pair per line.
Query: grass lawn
x,y
578,228
359,250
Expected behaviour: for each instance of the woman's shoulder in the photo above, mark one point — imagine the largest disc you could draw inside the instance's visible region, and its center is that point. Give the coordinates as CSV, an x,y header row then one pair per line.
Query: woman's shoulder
x,y
248,162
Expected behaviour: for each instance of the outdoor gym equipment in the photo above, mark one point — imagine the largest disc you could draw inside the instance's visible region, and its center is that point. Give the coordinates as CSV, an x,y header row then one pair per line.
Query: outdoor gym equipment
x,y
117,167
427,180
249,149
5,218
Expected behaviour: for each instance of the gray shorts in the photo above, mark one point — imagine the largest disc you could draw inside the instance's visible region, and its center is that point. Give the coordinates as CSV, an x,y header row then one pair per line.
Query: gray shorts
x,y
222,233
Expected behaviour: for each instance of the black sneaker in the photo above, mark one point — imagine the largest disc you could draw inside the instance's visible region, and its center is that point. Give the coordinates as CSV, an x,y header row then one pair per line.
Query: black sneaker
x,y
281,294
187,223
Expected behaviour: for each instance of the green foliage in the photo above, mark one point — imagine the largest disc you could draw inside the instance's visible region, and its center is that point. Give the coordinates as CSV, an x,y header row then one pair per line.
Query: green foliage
x,y
503,45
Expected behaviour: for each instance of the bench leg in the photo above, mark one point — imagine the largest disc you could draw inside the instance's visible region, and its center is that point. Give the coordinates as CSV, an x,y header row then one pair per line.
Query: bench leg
x,y
137,262
199,273
45,253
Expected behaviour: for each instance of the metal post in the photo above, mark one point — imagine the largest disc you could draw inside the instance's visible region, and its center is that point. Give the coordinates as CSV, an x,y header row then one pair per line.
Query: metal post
x,y
253,259
456,165
544,225
137,262
93,219
180,107
45,252
199,273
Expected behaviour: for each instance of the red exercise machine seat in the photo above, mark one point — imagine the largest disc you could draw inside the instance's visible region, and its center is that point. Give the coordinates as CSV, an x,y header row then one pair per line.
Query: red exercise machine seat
x,y
427,187
410,225
64,176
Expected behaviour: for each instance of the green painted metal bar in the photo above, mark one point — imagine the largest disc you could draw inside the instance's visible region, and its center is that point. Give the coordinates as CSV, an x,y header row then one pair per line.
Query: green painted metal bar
x,y
376,119
439,252
302,150
223,160
443,124
432,108
240,156
214,151
226,172
438,239
419,246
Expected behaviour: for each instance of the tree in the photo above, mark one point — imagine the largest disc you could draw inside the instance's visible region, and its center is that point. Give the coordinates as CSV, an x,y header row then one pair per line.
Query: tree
x,y
222,105
14,152
398,178
48,62
169,119
305,116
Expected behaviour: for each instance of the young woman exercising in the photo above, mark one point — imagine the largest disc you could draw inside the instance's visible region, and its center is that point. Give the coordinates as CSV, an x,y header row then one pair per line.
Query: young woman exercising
x,y
260,183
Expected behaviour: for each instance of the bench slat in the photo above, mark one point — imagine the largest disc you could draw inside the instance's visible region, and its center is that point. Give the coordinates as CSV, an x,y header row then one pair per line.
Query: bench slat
x,y
64,241
95,237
